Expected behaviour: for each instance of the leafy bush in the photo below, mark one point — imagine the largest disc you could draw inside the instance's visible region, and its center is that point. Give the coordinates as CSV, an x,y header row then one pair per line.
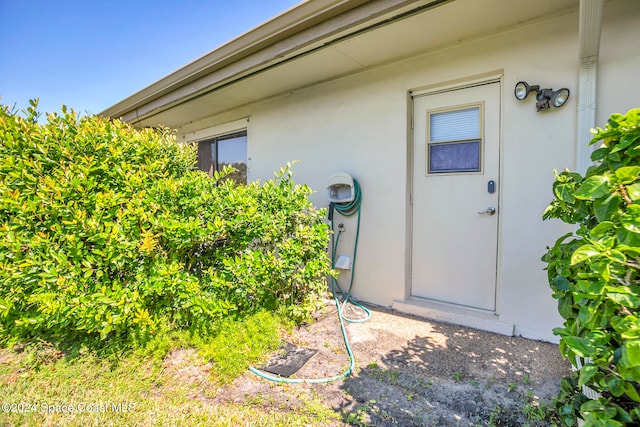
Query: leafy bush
x,y
107,231
238,343
595,276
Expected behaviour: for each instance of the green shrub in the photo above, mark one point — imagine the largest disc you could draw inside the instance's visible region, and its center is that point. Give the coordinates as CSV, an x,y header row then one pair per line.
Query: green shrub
x,y
109,232
240,343
595,276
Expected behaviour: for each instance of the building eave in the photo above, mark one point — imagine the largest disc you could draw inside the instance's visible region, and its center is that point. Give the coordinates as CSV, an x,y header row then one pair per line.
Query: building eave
x,y
299,30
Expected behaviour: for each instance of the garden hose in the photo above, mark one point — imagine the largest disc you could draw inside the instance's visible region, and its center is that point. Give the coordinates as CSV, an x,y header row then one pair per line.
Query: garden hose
x,y
345,209
348,209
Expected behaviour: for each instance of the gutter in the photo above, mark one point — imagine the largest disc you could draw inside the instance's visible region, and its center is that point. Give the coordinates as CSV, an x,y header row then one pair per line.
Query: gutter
x,y
311,25
272,31
589,39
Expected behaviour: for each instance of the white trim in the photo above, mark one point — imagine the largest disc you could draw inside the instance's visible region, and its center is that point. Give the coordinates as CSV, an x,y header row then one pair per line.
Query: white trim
x,y
217,130
461,83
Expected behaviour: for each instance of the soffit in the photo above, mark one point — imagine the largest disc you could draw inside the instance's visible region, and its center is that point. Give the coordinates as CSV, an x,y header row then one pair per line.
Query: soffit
x,y
448,24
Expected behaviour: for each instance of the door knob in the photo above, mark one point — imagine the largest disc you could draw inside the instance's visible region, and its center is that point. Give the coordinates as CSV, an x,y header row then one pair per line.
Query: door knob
x,y
490,211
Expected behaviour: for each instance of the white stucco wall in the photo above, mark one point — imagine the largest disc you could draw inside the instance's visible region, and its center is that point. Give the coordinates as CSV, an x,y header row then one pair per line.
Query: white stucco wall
x,y
358,124
347,127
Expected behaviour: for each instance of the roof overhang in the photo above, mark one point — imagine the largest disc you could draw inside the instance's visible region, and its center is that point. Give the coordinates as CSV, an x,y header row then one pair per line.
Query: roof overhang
x,y
316,41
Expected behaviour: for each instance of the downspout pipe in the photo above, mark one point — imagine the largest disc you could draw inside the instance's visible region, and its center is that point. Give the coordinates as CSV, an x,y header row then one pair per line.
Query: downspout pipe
x,y
589,35
589,39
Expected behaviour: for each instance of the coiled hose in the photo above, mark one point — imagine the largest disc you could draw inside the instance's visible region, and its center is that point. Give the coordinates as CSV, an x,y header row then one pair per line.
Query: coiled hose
x,y
347,210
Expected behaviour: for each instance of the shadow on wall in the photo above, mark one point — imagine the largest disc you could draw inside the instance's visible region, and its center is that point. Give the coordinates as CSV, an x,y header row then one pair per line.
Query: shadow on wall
x,y
456,376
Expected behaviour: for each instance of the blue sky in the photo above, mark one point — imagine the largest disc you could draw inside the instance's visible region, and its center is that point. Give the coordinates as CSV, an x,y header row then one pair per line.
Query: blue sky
x,y
91,54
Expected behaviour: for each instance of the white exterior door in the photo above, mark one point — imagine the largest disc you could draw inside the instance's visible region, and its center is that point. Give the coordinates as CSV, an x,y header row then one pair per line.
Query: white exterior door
x,y
455,196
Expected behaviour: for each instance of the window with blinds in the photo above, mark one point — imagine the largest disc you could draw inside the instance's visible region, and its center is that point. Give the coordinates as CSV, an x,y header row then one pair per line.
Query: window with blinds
x,y
454,140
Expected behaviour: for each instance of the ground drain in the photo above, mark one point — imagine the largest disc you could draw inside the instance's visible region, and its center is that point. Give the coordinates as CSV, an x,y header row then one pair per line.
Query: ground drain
x,y
288,360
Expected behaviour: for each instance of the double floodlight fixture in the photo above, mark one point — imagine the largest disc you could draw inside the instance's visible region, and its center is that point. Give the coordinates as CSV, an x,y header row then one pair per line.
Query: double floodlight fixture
x,y
545,98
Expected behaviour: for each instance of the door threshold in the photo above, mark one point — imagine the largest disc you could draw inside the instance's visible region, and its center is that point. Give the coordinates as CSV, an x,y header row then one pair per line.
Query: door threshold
x,y
454,314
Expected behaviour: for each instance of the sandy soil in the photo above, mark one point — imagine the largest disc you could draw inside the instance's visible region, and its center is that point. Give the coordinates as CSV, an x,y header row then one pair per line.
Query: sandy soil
x,y
413,372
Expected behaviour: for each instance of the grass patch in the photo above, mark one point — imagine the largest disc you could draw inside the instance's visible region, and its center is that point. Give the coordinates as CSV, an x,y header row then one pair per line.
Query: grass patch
x,y
239,344
164,384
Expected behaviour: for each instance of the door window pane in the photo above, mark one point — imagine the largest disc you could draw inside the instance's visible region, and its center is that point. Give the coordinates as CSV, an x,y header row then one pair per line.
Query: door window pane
x,y
455,125
454,157
454,141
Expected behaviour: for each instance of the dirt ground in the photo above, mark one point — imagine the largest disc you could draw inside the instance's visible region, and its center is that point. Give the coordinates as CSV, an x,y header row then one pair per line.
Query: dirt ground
x,y
414,372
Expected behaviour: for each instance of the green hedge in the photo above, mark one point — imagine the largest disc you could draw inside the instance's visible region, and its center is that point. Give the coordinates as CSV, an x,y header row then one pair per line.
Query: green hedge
x,y
108,231
595,276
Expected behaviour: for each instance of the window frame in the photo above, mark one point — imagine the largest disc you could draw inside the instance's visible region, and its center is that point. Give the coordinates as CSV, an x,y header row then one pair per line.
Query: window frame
x,y
480,139
207,147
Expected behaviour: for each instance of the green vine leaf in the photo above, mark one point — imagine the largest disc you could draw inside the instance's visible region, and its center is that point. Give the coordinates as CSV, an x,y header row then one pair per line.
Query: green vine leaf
x,y
584,253
627,174
593,188
633,191
606,207
579,346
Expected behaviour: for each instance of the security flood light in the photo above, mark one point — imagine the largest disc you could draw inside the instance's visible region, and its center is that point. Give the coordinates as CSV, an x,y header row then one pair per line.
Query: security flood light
x,y
523,90
545,98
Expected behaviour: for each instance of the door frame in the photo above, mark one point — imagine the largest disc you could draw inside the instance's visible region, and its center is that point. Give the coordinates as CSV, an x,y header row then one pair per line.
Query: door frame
x,y
496,77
